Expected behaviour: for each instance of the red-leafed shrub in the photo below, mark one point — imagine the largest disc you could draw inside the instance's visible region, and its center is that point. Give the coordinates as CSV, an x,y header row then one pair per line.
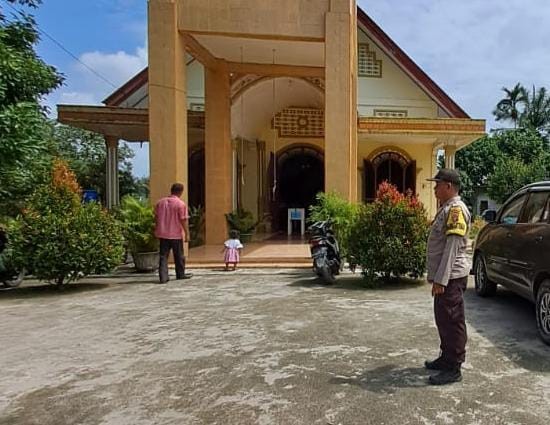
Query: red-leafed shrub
x,y
58,239
390,235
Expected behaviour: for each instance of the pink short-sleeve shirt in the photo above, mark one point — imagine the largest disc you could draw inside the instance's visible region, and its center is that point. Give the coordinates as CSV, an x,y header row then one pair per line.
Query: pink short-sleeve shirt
x,y
169,212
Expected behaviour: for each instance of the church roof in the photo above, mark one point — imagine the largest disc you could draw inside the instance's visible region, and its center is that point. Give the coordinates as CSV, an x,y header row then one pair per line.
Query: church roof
x,y
383,41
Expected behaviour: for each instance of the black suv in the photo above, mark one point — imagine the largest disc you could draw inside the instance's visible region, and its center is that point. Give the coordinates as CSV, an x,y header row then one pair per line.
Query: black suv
x,y
513,250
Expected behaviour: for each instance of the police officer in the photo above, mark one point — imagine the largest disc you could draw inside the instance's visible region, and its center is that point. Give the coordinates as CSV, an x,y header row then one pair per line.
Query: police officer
x,y
448,269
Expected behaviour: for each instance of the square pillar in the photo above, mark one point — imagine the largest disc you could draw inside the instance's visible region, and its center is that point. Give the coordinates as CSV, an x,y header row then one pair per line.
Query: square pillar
x,y
167,100
218,152
112,196
341,99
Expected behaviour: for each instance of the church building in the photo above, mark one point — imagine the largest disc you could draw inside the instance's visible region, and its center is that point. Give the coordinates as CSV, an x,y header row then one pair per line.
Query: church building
x,y
262,104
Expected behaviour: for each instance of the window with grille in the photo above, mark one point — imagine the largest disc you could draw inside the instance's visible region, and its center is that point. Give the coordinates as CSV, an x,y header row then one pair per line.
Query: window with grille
x,y
368,66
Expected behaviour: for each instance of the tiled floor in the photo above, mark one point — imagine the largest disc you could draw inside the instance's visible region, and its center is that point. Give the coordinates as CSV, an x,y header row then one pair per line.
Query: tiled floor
x,y
273,251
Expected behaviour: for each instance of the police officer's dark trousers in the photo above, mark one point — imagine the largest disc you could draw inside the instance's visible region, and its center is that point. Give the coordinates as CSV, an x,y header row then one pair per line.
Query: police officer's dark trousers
x,y
450,321
176,245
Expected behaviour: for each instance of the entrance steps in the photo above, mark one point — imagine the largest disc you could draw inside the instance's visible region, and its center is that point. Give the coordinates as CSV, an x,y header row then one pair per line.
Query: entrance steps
x,y
265,254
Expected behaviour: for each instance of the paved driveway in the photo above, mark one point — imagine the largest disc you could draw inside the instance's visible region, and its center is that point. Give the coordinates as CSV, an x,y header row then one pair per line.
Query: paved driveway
x,y
259,348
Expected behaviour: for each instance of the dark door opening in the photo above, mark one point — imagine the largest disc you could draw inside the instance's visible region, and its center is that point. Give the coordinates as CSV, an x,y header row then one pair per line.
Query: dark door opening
x,y
300,176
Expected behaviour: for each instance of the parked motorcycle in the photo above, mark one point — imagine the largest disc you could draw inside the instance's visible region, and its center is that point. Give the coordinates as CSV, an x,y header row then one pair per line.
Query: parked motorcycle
x,y
9,276
324,251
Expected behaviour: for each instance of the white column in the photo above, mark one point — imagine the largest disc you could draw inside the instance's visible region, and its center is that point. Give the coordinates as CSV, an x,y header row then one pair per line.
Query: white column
x,y
450,152
112,184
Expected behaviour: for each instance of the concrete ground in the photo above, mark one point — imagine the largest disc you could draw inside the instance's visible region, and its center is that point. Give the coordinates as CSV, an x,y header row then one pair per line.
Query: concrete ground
x,y
259,347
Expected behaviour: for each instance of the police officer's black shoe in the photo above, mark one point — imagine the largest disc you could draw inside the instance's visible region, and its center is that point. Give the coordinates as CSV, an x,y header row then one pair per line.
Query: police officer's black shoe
x,y
437,364
446,377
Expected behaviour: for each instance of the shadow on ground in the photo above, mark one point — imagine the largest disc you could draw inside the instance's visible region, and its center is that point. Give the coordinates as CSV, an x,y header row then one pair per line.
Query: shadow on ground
x,y
357,282
508,321
48,290
386,379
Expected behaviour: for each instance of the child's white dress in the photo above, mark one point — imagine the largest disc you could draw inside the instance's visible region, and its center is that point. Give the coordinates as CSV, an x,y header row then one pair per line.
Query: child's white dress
x,y
232,247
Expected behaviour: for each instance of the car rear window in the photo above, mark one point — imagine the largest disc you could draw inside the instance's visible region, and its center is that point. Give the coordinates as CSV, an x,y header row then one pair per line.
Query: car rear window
x,y
535,210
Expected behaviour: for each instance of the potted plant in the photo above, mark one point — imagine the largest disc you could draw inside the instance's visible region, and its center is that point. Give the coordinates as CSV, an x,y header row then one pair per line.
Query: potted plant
x,y
196,226
138,218
242,221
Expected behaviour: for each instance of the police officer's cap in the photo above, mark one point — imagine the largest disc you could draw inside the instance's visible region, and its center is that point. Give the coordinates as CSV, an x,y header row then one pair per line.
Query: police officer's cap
x,y
447,175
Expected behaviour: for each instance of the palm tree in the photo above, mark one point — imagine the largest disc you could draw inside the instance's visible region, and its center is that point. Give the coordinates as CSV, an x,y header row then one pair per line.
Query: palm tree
x,y
536,114
508,107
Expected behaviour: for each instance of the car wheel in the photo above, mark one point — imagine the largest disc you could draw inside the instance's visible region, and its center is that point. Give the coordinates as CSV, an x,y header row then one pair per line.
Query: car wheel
x,y
543,311
484,287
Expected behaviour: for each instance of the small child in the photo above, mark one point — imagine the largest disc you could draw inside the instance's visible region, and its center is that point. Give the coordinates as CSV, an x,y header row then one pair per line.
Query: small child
x,y
232,250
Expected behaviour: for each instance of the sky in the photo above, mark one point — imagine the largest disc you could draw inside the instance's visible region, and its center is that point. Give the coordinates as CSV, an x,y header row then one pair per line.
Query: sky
x,y
470,48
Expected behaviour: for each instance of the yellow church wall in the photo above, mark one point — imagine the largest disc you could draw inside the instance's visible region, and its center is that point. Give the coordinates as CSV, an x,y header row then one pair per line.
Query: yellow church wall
x,y
304,19
395,90
281,143
421,153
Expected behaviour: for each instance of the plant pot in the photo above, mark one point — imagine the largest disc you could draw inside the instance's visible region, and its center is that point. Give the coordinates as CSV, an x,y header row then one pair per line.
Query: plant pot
x,y
146,261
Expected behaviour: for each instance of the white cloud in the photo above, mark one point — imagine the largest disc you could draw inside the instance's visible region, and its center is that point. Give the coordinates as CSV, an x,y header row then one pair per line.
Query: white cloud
x,y
76,98
116,67
471,48
82,86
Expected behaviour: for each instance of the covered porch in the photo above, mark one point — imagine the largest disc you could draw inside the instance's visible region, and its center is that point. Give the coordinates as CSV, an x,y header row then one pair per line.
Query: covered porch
x,y
132,125
405,152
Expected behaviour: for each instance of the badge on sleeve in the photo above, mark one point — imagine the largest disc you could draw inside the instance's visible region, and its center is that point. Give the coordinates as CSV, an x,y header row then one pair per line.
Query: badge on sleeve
x,y
456,223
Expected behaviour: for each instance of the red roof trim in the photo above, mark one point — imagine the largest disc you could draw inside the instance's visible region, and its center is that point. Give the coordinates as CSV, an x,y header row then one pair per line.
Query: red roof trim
x,y
129,88
401,58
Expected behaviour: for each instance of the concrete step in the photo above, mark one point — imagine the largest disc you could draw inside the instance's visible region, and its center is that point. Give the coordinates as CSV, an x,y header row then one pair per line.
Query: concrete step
x,y
245,265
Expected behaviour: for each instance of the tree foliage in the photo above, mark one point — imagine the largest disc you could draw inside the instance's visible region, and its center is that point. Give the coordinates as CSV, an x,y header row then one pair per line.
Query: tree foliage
x,y
86,154
25,134
510,174
536,113
508,108
484,162
526,108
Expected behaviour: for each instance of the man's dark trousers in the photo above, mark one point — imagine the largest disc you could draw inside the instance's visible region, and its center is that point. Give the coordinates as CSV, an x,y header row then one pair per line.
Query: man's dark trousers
x,y
176,245
451,324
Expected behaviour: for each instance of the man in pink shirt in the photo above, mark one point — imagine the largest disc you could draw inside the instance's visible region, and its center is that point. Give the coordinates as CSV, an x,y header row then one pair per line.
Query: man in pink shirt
x,y
172,229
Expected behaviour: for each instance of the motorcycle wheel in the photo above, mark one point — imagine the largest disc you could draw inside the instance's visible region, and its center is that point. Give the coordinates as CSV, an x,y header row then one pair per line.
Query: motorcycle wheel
x,y
327,275
15,281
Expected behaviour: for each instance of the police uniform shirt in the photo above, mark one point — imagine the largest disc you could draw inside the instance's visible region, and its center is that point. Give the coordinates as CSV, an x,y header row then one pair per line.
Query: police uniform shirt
x,y
448,241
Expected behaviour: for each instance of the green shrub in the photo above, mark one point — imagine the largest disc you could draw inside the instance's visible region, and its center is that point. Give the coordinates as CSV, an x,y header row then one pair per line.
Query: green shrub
x,y
342,214
241,220
58,239
138,221
390,235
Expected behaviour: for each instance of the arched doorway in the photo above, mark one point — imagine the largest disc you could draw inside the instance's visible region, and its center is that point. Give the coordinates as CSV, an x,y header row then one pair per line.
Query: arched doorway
x,y
392,167
300,176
